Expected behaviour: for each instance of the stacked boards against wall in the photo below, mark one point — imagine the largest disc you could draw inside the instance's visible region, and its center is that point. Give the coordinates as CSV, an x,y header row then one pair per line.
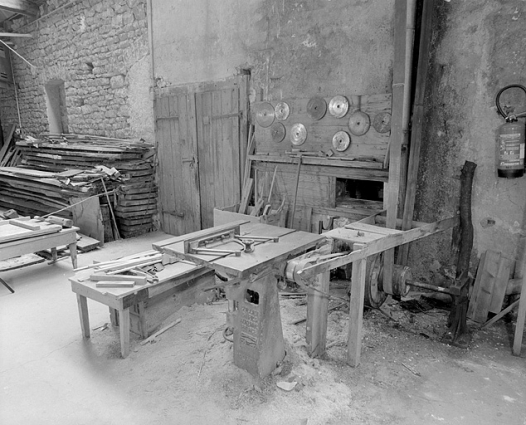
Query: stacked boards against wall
x,y
320,145
100,176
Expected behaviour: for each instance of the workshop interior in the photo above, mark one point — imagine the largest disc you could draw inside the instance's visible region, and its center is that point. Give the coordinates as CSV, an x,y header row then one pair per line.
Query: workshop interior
x,y
262,212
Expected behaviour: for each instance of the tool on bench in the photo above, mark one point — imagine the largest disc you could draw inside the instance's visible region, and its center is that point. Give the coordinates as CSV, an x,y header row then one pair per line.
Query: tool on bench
x,y
209,245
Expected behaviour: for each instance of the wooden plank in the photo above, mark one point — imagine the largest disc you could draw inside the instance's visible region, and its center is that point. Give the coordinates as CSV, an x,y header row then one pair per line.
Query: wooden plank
x,y
103,277
482,289
354,341
8,142
22,261
426,32
115,284
87,216
501,283
351,236
380,245
373,166
373,229
392,188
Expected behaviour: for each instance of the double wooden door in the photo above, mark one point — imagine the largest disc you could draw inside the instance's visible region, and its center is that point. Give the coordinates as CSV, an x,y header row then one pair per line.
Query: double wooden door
x,y
201,135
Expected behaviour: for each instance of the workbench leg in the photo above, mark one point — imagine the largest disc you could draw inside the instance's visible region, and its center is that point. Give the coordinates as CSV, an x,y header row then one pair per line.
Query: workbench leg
x,y
354,343
83,314
54,255
114,318
521,318
73,253
317,312
124,328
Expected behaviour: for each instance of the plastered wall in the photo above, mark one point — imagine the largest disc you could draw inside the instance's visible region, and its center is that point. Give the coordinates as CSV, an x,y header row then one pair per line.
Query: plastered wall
x,y
478,49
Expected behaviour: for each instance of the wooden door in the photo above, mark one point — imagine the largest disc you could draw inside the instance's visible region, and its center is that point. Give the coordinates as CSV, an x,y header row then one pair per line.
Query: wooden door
x,y
221,111
201,137
180,210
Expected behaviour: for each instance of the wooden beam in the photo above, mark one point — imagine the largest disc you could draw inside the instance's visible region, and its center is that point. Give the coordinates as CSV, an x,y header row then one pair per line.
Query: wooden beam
x,y
15,35
19,6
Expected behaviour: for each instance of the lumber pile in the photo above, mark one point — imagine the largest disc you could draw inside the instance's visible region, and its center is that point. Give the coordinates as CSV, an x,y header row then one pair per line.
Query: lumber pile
x,y
136,199
137,269
57,169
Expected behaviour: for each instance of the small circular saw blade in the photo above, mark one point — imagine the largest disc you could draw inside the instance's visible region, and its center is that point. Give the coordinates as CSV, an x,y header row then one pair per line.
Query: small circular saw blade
x,y
317,107
282,111
359,123
338,106
298,134
277,131
382,122
341,141
265,114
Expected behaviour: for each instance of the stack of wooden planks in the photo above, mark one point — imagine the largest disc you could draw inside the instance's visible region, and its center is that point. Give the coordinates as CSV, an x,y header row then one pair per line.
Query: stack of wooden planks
x,y
58,169
136,198
64,151
33,192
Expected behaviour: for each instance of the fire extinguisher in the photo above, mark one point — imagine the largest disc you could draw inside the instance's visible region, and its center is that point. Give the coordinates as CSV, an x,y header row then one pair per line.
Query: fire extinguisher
x,y
510,141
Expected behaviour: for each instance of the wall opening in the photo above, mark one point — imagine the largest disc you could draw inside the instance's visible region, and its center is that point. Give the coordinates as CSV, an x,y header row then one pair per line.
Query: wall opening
x,y
56,107
348,189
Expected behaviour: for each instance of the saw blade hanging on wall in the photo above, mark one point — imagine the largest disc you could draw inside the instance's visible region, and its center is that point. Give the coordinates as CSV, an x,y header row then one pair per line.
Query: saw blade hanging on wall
x,y
338,106
277,132
298,134
282,111
359,123
382,122
317,107
341,141
265,114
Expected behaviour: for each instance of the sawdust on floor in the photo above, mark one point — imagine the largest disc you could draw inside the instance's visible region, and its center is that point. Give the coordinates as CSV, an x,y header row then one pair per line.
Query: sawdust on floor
x,y
407,376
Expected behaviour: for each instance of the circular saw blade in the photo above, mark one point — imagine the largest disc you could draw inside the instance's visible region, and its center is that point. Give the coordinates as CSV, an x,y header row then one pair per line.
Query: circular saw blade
x,y
277,131
298,134
382,122
341,141
282,111
265,114
317,107
359,123
338,106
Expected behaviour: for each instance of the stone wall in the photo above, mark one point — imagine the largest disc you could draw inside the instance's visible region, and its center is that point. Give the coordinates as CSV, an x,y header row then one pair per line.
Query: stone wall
x,y
99,50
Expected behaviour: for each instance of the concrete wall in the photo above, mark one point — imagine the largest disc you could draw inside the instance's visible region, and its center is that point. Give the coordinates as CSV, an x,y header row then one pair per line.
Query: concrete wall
x,y
99,49
299,48
479,48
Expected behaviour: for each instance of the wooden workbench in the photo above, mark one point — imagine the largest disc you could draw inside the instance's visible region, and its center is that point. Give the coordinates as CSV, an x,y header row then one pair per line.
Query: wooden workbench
x,y
120,300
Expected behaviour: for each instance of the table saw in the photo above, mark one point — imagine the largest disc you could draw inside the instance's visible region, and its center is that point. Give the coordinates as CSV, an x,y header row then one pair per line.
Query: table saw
x,y
252,257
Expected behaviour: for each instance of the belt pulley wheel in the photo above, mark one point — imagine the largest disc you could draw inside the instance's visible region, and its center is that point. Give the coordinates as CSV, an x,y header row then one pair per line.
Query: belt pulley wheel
x,y
298,134
317,107
374,295
277,132
265,114
282,111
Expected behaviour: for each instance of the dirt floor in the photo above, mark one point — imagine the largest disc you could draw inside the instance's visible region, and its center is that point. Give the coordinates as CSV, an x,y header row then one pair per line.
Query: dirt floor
x,y
407,376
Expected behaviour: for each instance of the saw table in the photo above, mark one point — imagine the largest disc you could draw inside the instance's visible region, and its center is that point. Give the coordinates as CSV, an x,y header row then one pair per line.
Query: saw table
x,y
252,255
252,290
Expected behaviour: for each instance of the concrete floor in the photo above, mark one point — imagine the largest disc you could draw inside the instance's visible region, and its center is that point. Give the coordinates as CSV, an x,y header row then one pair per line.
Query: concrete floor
x,y
50,375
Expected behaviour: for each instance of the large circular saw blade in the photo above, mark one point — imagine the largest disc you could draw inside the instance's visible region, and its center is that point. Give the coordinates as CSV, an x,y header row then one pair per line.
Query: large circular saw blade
x,y
338,106
359,123
277,132
317,107
298,134
282,111
265,114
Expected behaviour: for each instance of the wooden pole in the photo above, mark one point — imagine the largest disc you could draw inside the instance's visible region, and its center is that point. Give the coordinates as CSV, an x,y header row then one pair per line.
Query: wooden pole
x,y
458,334
417,122
520,271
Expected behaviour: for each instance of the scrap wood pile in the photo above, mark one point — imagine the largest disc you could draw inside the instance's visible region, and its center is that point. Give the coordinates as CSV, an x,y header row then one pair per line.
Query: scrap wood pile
x,y
126,272
57,168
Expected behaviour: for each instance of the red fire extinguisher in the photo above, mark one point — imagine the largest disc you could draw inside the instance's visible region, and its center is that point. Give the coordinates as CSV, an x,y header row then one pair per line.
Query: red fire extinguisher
x,y
510,141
